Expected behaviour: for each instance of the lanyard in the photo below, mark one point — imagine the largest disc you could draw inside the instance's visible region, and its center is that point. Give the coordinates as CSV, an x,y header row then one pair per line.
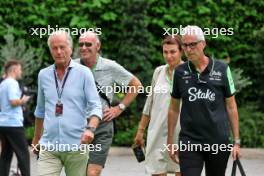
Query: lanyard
x,y
60,90
168,77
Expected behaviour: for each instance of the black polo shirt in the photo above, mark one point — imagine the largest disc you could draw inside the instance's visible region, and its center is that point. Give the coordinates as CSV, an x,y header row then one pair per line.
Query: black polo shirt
x,y
203,117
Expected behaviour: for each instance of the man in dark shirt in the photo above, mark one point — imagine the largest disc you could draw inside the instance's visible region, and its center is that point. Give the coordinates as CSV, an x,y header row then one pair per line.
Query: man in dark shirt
x,y
206,90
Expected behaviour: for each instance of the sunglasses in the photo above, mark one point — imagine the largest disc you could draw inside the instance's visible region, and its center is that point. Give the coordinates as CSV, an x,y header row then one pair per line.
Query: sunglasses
x,y
192,45
87,44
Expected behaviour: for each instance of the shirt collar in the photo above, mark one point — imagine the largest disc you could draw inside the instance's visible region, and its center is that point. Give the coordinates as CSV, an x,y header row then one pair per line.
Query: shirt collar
x,y
208,68
98,65
71,64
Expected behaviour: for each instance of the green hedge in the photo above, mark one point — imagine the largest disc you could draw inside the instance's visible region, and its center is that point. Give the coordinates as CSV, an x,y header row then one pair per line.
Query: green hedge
x,y
251,126
132,31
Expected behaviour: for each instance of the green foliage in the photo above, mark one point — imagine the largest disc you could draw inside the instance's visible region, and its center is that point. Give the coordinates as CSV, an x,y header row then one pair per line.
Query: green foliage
x,y
131,34
29,57
126,137
240,81
29,131
251,126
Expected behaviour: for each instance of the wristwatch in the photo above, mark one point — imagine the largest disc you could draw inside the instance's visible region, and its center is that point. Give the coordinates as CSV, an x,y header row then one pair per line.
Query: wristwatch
x,y
122,106
237,141
92,129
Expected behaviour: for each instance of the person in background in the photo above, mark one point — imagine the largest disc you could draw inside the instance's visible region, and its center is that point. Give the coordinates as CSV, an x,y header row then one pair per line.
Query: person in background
x,y
107,73
11,121
155,112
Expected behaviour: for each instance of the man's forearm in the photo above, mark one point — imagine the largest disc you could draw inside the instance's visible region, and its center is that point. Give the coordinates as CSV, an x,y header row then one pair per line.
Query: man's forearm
x,y
17,102
38,128
135,84
144,121
234,123
173,115
94,121
172,122
233,117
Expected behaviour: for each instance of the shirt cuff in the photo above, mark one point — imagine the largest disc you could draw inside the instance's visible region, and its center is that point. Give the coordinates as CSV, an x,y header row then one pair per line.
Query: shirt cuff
x,y
97,113
39,115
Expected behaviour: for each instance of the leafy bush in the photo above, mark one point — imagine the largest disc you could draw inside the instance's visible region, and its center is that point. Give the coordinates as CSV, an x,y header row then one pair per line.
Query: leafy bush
x,y
240,81
26,54
29,131
131,34
251,126
126,137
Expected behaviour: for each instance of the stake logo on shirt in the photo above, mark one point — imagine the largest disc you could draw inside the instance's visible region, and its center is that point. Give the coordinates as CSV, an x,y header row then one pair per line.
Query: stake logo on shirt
x,y
215,75
195,94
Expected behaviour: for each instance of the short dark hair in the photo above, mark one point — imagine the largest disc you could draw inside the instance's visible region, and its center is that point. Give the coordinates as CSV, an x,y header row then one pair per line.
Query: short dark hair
x,y
172,40
10,63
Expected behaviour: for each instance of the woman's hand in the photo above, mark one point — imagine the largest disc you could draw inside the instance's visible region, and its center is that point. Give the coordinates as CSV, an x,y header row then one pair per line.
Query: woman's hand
x,y
139,138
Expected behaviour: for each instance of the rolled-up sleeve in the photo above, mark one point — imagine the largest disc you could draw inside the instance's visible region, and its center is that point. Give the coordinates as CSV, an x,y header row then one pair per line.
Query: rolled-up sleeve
x,y
13,91
149,101
230,89
148,105
121,76
40,108
92,97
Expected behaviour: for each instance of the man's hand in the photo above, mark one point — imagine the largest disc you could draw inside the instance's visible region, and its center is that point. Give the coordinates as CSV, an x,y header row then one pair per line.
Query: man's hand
x,y
111,113
139,139
87,137
35,145
236,151
25,99
173,153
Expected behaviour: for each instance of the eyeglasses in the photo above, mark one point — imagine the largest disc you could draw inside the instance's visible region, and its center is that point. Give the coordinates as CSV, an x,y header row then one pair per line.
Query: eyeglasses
x,y
192,45
87,44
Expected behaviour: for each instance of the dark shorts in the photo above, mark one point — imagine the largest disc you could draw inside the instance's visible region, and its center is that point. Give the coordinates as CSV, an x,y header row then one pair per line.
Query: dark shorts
x,y
191,163
104,137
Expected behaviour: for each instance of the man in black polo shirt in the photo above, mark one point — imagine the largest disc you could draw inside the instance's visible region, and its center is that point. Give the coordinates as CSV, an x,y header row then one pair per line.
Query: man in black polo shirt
x,y
206,90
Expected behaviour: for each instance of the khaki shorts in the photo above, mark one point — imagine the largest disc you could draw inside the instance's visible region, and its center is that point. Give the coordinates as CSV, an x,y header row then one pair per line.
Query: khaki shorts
x,y
51,163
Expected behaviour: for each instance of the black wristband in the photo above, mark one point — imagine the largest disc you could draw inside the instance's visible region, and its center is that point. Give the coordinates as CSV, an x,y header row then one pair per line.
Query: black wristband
x,y
92,129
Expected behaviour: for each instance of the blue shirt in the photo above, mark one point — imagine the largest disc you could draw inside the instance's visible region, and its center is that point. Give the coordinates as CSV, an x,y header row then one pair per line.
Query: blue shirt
x,y
10,116
79,92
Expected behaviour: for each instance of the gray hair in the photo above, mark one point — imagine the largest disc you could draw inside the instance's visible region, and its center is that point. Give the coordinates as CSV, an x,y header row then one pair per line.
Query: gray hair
x,y
91,33
60,32
194,30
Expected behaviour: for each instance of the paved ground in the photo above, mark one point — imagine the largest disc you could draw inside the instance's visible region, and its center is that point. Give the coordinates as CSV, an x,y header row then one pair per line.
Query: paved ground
x,y
121,162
